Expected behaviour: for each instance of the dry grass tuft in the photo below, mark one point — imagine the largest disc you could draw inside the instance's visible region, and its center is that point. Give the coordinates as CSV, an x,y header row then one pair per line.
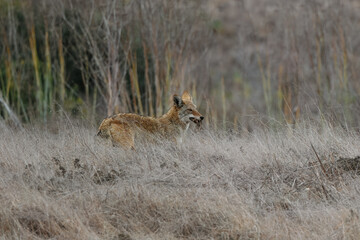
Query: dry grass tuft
x,y
65,184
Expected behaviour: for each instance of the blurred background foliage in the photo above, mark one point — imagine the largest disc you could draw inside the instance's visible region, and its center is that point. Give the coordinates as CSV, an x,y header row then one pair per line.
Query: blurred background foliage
x,y
245,62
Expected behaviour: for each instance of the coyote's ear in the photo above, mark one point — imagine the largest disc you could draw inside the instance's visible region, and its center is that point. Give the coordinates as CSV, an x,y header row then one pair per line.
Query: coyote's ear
x,y
186,96
177,101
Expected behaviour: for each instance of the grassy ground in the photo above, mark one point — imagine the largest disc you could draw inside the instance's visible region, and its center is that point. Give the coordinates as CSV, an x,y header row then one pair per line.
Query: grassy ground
x,y
61,183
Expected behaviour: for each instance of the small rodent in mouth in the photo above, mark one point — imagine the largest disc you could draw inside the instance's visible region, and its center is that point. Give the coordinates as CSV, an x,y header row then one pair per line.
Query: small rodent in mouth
x,y
197,122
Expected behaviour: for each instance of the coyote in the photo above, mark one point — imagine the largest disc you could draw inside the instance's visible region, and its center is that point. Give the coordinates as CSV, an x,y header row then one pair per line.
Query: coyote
x,y
122,128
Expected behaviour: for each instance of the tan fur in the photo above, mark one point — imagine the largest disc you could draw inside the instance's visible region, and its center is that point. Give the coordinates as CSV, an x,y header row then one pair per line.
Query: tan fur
x,y
122,128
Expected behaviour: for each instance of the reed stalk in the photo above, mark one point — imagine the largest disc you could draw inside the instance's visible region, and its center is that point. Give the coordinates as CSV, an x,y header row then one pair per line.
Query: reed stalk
x,y
280,94
235,123
62,69
288,106
8,74
135,79
344,58
132,81
147,80
319,43
168,60
223,101
48,88
8,78
207,114
266,84
35,60
93,112
156,60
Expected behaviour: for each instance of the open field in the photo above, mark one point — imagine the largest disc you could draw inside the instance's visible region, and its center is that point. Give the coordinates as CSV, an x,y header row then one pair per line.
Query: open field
x,y
61,183
259,71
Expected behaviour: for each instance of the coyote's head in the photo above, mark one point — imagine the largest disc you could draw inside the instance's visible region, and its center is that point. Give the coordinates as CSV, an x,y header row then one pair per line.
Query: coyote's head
x,y
187,109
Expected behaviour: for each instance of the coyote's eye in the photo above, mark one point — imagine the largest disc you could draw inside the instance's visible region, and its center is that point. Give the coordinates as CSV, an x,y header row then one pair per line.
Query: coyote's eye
x,y
190,110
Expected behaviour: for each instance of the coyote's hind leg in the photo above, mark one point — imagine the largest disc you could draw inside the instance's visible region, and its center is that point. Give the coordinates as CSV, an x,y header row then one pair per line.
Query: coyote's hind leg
x,y
122,135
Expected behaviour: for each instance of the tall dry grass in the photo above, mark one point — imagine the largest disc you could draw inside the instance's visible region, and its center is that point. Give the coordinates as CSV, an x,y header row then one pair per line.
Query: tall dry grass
x,y
277,60
276,80
60,182
75,56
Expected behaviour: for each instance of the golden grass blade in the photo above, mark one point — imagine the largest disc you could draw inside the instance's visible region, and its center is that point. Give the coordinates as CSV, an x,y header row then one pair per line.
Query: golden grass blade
x,y
134,71
147,80
48,88
62,69
223,101
35,59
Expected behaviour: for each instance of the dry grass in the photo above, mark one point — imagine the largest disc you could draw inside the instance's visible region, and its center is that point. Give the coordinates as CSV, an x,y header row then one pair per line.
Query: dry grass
x,y
64,184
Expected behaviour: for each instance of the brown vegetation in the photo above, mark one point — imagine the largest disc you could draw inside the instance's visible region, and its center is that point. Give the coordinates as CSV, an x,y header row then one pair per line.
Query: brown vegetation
x,y
278,60
280,78
64,184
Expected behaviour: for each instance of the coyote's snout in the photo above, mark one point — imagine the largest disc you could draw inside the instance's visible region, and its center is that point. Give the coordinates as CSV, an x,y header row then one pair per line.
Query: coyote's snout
x,y
124,127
